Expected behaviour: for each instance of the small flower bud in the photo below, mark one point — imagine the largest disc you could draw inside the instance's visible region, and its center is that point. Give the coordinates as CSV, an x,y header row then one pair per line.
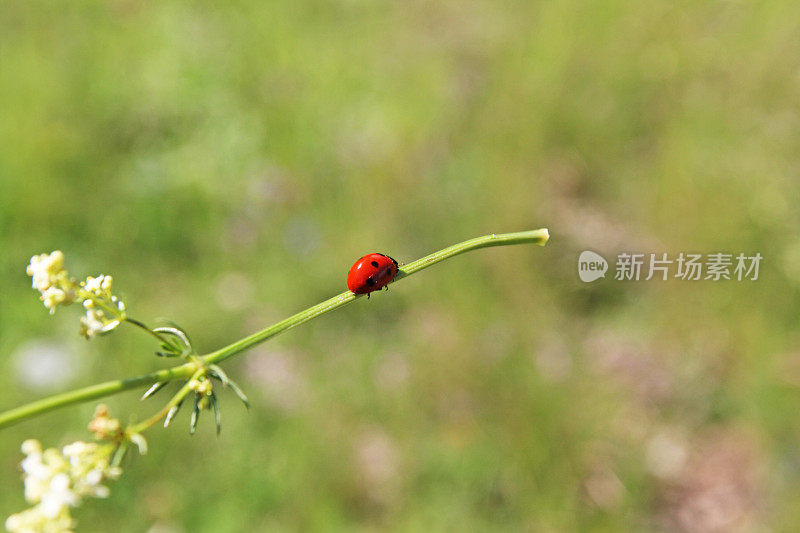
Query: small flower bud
x,y
31,446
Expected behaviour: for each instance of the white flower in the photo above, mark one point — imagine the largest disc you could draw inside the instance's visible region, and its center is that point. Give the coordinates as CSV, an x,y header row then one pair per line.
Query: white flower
x,y
58,496
99,286
33,521
31,446
92,323
51,280
39,468
93,284
104,311
86,470
53,296
43,268
56,480
77,449
95,322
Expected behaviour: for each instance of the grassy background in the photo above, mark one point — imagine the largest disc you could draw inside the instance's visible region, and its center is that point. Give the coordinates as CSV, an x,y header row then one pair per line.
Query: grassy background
x,y
227,163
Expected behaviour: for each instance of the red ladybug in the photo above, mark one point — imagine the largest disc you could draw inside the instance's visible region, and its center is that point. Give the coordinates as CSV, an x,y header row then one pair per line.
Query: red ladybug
x,y
371,273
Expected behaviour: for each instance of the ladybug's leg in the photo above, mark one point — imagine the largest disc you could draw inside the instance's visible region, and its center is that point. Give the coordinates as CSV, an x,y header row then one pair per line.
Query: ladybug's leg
x,y
368,295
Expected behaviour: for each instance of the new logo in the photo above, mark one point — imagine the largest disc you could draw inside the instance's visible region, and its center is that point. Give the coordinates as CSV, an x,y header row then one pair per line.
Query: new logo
x,y
591,266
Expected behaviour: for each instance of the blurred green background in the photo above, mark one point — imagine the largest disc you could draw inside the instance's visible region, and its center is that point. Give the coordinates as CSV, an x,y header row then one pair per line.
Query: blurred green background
x,y
228,162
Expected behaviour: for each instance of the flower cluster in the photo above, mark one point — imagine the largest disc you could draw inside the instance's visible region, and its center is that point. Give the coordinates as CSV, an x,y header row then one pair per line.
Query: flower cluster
x,y
104,311
51,279
56,480
104,427
99,304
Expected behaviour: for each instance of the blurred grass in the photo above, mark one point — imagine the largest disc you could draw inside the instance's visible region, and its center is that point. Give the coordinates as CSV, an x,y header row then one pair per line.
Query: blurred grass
x,y
228,163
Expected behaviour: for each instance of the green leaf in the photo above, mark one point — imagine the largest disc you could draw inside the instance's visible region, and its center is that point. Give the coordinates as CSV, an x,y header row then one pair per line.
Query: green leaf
x,y
239,392
216,412
172,412
154,389
182,346
218,373
195,417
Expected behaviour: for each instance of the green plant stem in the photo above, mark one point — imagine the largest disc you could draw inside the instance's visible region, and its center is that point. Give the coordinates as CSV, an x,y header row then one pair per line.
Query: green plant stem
x,y
539,236
92,392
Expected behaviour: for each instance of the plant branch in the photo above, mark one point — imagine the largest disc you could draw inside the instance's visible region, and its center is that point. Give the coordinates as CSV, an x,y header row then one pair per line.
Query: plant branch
x,y
108,388
539,237
92,392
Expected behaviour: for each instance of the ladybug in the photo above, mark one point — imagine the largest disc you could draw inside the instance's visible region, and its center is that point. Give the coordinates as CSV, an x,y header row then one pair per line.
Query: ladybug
x,y
371,273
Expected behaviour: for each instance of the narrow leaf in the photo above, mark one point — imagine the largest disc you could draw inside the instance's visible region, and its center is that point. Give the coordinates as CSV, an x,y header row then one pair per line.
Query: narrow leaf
x,y
239,392
219,374
172,412
195,417
157,386
216,412
140,443
179,334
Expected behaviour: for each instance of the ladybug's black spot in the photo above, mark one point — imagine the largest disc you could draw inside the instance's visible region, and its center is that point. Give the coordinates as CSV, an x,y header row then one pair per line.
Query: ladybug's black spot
x,y
375,264
370,281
